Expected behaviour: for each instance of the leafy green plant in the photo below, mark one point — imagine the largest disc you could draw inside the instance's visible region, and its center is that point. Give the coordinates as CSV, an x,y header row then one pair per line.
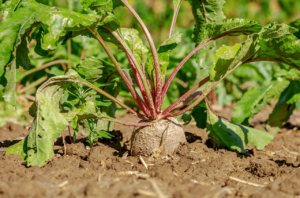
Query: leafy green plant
x,y
86,94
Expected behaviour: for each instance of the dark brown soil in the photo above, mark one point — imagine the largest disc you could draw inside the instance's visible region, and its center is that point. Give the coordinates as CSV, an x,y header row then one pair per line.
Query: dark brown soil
x,y
194,170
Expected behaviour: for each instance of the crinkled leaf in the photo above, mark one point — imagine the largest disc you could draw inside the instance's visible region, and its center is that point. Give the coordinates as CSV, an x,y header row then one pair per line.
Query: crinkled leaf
x,y
16,27
205,12
215,30
107,5
235,136
224,56
233,26
92,68
97,4
275,42
48,125
292,74
254,100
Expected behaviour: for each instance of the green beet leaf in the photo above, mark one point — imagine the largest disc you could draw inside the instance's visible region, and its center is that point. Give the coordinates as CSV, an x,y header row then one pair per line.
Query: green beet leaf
x,y
296,24
291,94
279,116
10,112
199,114
235,136
275,42
205,12
94,69
15,30
18,149
48,125
163,54
254,100
140,51
215,30
232,27
97,5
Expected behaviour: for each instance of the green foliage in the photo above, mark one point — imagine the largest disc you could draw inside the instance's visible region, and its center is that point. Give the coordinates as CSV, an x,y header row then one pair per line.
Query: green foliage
x,y
254,100
296,24
18,149
11,113
163,54
107,5
235,136
140,51
275,42
206,12
199,113
47,126
15,30
93,129
94,69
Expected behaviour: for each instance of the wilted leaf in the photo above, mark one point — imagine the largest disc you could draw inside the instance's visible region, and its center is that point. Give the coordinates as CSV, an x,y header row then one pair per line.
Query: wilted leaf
x,y
48,125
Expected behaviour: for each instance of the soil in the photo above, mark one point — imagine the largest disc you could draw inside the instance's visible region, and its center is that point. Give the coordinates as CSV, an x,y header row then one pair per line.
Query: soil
x,y
194,170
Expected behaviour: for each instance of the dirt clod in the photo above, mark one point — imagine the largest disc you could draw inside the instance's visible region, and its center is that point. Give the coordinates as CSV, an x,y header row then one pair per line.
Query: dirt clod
x,y
77,149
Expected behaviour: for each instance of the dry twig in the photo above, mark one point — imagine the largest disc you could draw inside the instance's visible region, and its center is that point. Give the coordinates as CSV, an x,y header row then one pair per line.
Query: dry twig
x,y
291,152
143,162
64,142
157,189
63,184
245,182
146,193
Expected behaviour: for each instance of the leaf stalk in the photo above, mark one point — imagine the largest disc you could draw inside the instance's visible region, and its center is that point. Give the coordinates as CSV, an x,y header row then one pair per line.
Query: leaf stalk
x,y
120,71
159,80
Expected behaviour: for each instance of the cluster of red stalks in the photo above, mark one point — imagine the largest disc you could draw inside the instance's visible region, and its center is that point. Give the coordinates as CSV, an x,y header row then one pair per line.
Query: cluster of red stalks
x,y
152,97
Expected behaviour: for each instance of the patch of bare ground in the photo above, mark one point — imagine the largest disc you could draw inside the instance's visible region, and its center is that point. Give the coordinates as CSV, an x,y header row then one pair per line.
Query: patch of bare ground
x,y
194,170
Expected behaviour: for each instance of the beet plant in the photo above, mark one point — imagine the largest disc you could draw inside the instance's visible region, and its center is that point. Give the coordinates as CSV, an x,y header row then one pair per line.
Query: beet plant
x,y
87,94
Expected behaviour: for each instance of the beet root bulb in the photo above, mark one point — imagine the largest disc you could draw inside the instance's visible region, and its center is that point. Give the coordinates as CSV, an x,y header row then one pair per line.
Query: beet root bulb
x,y
167,134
